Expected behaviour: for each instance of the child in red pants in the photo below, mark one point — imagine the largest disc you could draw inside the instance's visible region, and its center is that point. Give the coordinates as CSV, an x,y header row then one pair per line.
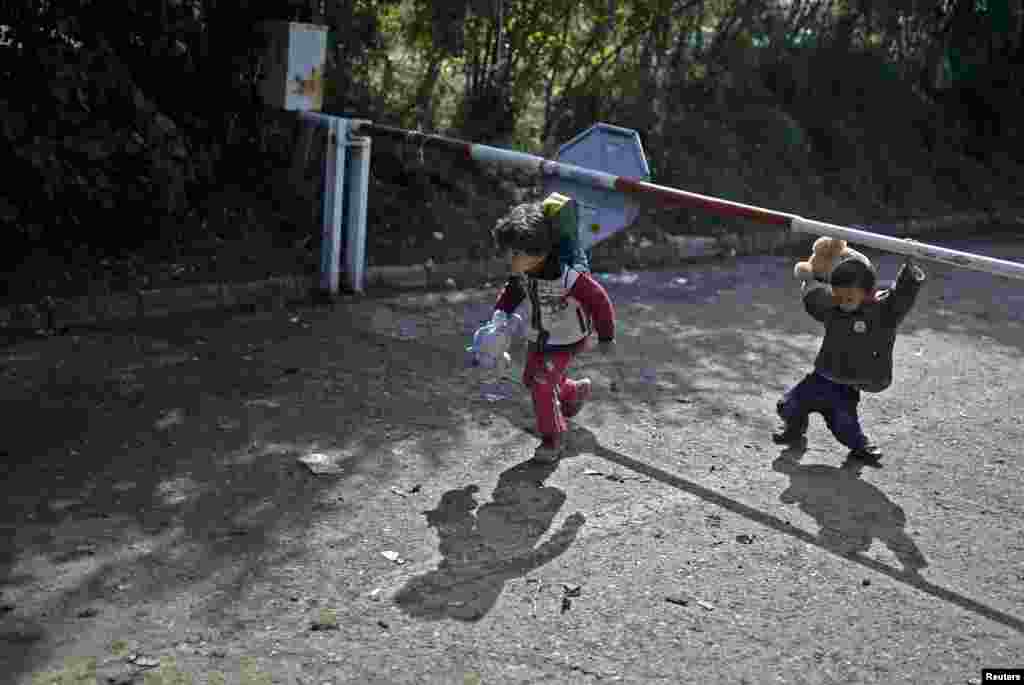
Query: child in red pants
x,y
564,303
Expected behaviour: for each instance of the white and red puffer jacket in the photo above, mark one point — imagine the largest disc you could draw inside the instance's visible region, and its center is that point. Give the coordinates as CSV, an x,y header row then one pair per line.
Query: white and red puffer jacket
x,y
566,303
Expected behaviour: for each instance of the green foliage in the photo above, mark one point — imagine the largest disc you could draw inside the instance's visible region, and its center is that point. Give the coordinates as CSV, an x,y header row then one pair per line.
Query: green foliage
x,y
137,111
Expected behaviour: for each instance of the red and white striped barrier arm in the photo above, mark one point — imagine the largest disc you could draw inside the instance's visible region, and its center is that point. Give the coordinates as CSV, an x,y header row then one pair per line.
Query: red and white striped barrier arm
x,y
673,197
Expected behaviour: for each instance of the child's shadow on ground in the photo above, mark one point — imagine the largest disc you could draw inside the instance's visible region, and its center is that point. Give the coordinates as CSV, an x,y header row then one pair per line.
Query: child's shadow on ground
x,y
485,546
850,511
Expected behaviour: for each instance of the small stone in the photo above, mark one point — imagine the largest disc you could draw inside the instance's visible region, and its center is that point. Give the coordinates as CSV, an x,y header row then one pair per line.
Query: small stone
x,y
88,613
226,424
866,582
745,539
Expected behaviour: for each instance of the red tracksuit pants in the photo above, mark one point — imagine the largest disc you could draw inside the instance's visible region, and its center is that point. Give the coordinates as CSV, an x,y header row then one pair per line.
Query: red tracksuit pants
x,y
544,375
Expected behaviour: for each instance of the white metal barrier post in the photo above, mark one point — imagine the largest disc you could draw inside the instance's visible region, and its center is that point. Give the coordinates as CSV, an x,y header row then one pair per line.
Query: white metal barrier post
x,y
357,175
334,202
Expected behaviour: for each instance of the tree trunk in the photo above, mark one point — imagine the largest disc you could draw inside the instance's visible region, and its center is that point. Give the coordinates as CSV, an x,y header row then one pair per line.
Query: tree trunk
x,y
425,93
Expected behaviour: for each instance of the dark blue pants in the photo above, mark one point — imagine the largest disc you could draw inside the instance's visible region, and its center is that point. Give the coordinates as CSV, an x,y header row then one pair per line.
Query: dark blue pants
x,y
836,402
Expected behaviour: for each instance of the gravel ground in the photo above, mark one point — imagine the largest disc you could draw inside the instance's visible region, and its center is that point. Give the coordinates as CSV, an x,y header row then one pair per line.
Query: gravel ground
x,y
156,519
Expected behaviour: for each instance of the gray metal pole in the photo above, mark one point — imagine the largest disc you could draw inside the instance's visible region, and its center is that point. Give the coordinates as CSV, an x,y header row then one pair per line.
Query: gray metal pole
x,y
358,177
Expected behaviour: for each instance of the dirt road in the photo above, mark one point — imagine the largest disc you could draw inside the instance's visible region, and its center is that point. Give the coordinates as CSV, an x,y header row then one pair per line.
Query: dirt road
x,y
156,519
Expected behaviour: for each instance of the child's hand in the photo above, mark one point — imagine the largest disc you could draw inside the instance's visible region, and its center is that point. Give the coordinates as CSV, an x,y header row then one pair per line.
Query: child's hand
x,y
803,274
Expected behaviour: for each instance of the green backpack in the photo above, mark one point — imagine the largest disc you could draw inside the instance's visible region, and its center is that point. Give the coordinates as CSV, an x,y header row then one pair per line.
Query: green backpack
x,y
563,211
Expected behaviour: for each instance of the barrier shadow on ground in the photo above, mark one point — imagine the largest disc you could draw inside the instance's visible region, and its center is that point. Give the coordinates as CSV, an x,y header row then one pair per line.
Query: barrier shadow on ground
x,y
845,527
483,546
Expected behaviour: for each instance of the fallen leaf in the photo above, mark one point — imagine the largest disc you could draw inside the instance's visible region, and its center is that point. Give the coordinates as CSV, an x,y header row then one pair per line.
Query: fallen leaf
x,y
144,661
328,620
393,556
269,404
321,464
172,417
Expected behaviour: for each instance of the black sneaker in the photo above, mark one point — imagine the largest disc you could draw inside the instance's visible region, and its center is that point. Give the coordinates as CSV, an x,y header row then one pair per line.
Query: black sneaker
x,y
869,452
789,435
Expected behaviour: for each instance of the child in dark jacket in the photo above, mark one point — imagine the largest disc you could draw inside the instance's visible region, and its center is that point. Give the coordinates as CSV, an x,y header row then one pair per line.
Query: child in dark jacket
x,y
856,353
563,305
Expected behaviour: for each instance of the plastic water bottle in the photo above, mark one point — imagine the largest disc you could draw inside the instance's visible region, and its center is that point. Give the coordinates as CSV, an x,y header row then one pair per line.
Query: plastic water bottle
x,y
489,352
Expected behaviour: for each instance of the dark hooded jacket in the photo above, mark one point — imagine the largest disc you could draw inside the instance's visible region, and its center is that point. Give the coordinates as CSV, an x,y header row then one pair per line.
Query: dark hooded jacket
x,y
858,346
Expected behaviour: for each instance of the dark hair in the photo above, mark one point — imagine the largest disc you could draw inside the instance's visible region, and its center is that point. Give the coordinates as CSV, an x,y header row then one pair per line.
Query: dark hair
x,y
853,274
525,228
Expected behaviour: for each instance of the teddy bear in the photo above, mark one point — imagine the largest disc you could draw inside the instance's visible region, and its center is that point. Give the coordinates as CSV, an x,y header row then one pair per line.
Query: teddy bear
x,y
827,253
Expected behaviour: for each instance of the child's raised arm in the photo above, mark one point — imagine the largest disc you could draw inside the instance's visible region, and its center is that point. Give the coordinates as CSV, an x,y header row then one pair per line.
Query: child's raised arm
x,y
817,294
817,297
903,295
